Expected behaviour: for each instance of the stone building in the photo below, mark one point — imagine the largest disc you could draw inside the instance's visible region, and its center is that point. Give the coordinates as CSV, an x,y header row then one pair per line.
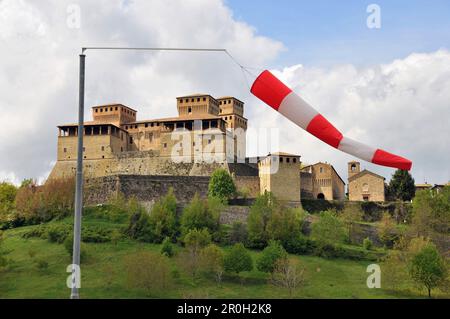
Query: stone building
x,y
206,130
279,173
364,185
321,181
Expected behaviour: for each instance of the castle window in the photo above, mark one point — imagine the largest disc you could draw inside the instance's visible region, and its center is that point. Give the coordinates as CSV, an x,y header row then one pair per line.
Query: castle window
x,y
126,127
287,160
193,143
103,156
294,160
321,169
103,148
353,167
151,124
189,110
220,102
204,99
165,145
209,141
101,110
131,140
116,108
198,99
135,126
281,159
111,109
146,124
121,149
192,100
181,100
65,150
96,110
84,149
187,100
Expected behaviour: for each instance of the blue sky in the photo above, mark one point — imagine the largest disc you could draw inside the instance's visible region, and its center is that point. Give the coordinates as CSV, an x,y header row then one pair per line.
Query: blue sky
x,y
323,33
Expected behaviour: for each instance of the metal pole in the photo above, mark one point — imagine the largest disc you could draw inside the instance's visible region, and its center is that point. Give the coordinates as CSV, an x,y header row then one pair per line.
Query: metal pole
x,y
79,185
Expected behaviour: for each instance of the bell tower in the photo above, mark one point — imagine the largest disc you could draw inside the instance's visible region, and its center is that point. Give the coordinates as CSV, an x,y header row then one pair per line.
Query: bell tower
x,y
353,168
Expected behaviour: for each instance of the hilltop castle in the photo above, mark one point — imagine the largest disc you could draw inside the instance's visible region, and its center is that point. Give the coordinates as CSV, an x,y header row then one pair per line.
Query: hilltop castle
x,y
182,152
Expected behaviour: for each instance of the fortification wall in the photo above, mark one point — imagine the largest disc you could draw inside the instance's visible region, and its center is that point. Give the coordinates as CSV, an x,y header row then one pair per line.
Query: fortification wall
x,y
248,185
146,188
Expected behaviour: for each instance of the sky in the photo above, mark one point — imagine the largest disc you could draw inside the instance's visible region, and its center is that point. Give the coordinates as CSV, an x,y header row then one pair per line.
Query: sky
x,y
388,87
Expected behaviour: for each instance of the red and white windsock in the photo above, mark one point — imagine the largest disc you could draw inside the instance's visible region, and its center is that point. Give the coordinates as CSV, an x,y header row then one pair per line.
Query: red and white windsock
x,y
273,92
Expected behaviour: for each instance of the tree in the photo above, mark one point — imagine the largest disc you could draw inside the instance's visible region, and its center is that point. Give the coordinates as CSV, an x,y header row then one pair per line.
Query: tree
x,y
269,257
194,241
428,268
387,229
238,259
402,185
288,275
211,259
258,219
200,214
351,216
329,229
238,233
163,218
430,217
284,222
7,197
147,270
3,260
221,185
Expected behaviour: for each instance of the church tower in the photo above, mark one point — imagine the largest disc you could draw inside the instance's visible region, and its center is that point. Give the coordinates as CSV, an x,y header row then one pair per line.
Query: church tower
x,y
353,168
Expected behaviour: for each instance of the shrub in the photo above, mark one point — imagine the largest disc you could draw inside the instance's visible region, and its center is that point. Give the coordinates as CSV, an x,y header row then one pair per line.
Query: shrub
x,y
387,229
37,231
238,233
194,241
238,259
221,185
288,274
163,220
57,233
367,243
7,197
270,256
148,271
284,222
95,235
329,229
201,214
299,244
211,260
167,248
258,219
116,236
68,245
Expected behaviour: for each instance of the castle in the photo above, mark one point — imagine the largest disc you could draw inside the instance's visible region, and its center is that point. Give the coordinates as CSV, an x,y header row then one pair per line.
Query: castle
x,y
208,133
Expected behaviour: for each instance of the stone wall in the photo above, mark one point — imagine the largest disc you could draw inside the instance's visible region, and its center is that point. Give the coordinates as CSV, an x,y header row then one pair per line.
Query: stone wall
x,y
247,185
146,189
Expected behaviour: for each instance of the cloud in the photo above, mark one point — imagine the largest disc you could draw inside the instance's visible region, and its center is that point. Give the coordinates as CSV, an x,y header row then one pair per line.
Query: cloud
x,y
39,68
402,107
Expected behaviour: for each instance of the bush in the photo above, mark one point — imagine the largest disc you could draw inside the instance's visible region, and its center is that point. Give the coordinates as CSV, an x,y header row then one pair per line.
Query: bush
x,y
238,233
288,274
163,220
367,244
116,236
238,259
167,248
201,214
329,229
95,235
194,241
221,185
68,245
284,222
258,219
148,271
270,256
37,231
57,233
299,244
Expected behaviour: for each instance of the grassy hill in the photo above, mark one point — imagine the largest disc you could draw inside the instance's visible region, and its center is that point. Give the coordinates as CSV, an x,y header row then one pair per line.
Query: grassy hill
x,y
104,274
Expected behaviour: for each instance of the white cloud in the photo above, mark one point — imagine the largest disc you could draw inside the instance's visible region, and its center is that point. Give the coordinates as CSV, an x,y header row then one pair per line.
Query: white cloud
x,y
402,107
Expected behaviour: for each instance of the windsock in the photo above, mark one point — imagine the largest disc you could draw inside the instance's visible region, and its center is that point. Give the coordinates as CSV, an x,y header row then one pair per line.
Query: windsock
x,y
273,92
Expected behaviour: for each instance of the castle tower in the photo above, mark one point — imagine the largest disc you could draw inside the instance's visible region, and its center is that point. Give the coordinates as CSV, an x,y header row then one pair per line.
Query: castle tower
x,y
279,173
116,114
197,104
353,168
231,110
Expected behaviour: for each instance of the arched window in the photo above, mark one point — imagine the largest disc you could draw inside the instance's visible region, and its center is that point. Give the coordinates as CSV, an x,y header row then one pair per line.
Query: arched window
x,y
353,167
365,187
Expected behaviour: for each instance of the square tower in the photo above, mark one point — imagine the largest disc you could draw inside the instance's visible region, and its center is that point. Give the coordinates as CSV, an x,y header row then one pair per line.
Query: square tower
x,y
353,168
116,114
197,104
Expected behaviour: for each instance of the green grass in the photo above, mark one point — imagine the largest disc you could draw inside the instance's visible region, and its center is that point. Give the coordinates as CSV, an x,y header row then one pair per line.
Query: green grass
x,y
104,275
